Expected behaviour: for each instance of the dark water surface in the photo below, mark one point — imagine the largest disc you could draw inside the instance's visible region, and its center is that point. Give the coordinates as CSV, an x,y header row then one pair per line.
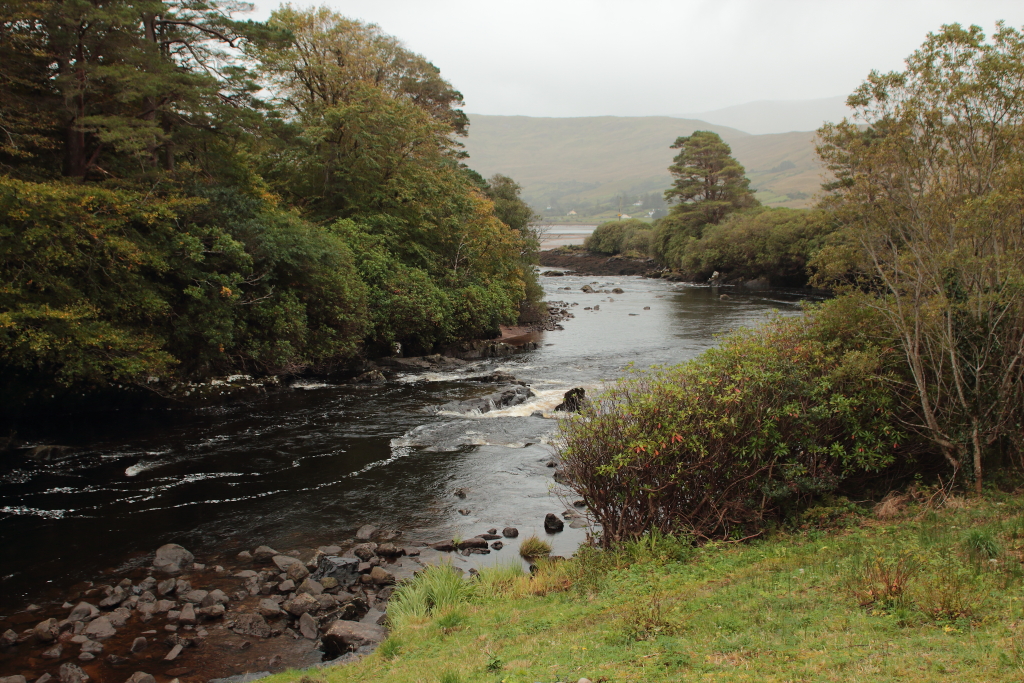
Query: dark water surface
x,y
307,467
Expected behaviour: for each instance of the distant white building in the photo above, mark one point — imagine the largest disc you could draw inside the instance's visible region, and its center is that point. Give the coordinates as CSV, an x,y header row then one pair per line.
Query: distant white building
x,y
624,215
572,212
638,203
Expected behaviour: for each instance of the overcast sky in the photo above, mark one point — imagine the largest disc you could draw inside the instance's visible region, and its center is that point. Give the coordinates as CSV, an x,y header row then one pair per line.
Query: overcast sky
x,y
655,57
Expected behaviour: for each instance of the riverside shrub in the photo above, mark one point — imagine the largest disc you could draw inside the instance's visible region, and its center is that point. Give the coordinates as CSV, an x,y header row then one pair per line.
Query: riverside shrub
x,y
742,435
615,237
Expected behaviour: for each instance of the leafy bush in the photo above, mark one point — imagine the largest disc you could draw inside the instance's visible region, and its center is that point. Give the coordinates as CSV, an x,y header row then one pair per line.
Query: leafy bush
x,y
614,237
744,434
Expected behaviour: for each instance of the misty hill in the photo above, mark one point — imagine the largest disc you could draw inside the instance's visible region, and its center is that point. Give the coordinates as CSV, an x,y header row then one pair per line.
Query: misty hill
x,y
778,116
587,160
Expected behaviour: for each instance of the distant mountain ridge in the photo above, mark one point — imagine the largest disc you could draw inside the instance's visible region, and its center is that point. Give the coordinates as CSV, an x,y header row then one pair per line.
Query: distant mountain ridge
x,y
778,116
567,160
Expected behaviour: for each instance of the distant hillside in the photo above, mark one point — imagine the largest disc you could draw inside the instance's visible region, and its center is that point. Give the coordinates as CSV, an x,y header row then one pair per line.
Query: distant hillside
x,y
778,116
571,161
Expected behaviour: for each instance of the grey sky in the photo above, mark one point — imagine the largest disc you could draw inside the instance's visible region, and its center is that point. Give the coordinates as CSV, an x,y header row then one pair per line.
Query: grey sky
x,y
655,57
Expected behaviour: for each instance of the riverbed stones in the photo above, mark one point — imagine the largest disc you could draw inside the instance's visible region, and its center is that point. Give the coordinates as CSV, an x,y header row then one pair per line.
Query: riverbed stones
x,y
181,586
212,612
297,571
308,627
390,550
9,638
382,577
92,646
475,542
311,586
264,554
510,532
269,608
572,400
215,597
119,617
72,673
188,614
497,545
116,597
365,532
100,628
173,654
55,652
284,561
364,551
13,679
172,558
300,604
83,611
139,644
286,586
251,625
46,631
348,636
140,677
195,597
443,546
165,587
164,606
552,524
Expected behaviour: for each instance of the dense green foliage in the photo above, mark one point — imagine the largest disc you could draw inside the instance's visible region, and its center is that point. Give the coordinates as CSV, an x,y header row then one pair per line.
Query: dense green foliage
x,y
774,244
616,237
159,218
719,446
930,197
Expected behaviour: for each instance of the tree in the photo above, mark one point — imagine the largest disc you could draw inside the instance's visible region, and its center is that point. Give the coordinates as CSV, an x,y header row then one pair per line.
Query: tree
x,y
932,191
709,184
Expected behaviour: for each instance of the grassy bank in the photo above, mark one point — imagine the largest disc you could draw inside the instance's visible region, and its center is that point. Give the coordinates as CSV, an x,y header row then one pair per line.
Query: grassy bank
x,y
925,589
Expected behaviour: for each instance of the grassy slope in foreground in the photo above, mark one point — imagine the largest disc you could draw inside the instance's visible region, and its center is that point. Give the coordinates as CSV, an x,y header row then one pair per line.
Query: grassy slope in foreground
x,y
811,606
595,158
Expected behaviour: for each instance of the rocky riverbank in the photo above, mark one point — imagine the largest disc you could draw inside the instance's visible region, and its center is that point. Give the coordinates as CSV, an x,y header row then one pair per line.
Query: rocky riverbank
x,y
259,611
583,262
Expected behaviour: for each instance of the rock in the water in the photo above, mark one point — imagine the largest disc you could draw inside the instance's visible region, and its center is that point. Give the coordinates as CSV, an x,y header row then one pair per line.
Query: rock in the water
x,y
181,586
251,625
497,545
475,542
264,554
297,571
9,638
116,597
365,532
187,615
348,636
215,597
300,604
165,587
311,586
510,532
83,611
54,652
139,644
46,631
490,536
510,396
119,617
164,606
100,628
364,551
244,556
195,597
172,558
587,289
45,678
390,550
14,679
86,656
286,586
268,608
552,524
285,561
141,677
341,569
382,576
308,627
443,546
572,400
92,646
173,654
212,612
72,673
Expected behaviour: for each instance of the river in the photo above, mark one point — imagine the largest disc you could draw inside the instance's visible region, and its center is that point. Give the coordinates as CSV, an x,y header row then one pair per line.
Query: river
x,y
309,466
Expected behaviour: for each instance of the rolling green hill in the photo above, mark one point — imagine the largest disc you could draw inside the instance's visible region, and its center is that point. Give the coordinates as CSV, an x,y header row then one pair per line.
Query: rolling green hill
x,y
585,162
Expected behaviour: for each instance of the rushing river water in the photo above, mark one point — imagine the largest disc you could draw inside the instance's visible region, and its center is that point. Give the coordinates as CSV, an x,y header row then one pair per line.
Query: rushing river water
x,y
307,467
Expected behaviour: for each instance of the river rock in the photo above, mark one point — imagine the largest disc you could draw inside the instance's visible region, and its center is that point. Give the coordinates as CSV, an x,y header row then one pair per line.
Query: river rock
x,y
173,654
119,617
172,558
475,542
572,400
215,597
139,644
381,576
83,611
147,597
552,524
92,646
195,597
300,604
46,631
9,638
348,636
251,625
72,673
587,289
165,587
311,586
297,571
510,532
164,606
182,586
341,569
141,677
264,554
488,536
510,396
308,627
212,611
187,615
100,628
365,532
443,546
14,679
54,652
497,545
364,551
285,561
390,550
245,574
268,608
116,597
286,586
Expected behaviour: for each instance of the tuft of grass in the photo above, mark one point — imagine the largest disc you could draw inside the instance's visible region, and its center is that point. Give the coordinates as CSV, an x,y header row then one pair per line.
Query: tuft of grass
x,y
980,544
502,579
390,648
435,590
450,677
534,547
452,621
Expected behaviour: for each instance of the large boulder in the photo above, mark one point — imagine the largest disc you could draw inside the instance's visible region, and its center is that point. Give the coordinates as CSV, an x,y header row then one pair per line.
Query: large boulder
x,y
251,625
552,524
46,631
348,636
572,400
510,396
343,570
285,561
172,558
475,542
264,554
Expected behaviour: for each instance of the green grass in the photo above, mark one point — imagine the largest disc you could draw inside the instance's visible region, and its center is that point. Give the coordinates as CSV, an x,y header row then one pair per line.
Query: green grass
x,y
534,547
930,595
